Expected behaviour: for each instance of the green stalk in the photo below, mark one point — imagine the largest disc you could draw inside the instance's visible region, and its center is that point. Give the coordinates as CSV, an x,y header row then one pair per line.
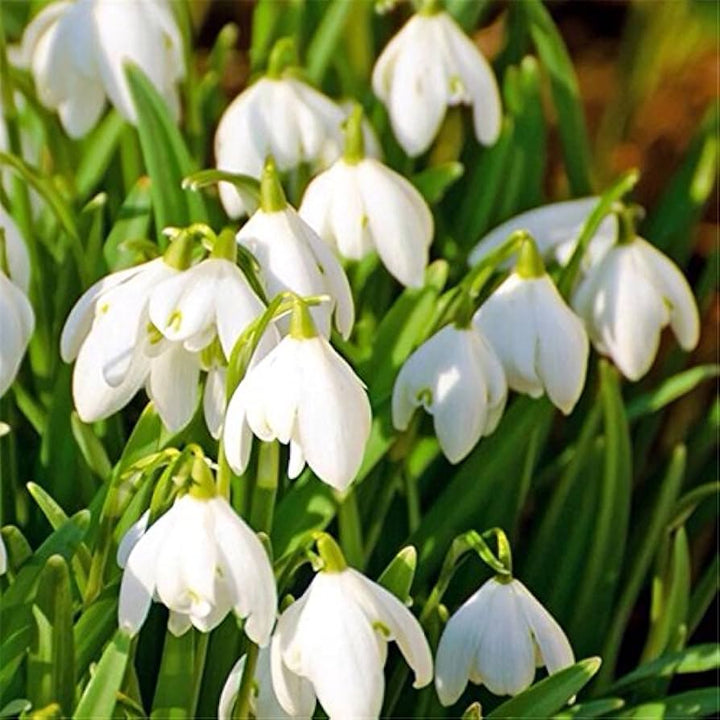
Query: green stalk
x,y
350,529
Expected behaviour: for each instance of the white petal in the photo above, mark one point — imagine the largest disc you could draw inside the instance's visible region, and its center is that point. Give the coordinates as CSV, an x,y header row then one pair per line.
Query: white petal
x,y
267,706
173,385
178,623
17,322
400,221
230,690
3,557
214,402
684,316
131,538
379,604
16,253
553,643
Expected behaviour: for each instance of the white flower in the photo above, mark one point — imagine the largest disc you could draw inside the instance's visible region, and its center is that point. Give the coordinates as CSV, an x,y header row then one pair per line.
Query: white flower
x,y
283,117
626,300
292,257
497,638
457,377
77,52
541,343
365,206
16,254
3,557
302,393
201,561
264,702
118,351
335,636
555,228
429,65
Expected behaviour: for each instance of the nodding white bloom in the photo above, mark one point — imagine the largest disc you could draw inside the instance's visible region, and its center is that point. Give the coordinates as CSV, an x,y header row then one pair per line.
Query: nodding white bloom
x,y
429,65
360,205
497,638
541,343
77,53
282,116
17,319
335,636
293,257
457,378
302,393
263,702
555,228
117,350
201,561
626,300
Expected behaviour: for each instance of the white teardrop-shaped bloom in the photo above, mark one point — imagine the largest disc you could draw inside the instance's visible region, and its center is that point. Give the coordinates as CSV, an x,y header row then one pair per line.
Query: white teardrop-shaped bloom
x,y
283,117
201,561
17,322
263,701
303,393
365,206
429,65
109,332
555,229
497,638
628,298
77,52
457,378
541,343
293,257
335,636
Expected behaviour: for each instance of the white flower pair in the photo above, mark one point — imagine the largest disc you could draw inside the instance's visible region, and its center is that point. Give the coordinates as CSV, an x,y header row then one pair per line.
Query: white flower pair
x,y
17,319
77,51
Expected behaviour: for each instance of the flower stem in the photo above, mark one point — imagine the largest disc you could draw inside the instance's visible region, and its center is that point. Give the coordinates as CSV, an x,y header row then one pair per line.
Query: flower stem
x,y
242,705
350,529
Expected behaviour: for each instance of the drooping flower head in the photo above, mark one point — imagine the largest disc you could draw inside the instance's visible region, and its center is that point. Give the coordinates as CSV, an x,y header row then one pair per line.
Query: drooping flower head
x,y
335,638
541,343
429,65
202,561
77,50
629,296
359,205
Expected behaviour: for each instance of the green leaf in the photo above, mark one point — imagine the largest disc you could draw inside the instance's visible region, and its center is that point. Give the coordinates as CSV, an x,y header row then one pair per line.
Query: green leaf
x,y
15,708
549,695
132,224
398,576
95,627
325,40
670,390
695,659
17,547
691,704
51,663
90,446
100,694
596,708
566,96
688,503
597,586
467,14
143,441
13,651
434,182
166,156
97,152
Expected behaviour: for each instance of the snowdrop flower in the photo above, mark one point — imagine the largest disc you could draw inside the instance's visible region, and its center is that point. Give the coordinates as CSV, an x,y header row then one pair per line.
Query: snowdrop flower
x,y
429,65
77,51
541,343
17,319
555,228
117,349
497,638
628,297
292,256
264,702
201,561
360,205
302,393
279,115
457,378
335,636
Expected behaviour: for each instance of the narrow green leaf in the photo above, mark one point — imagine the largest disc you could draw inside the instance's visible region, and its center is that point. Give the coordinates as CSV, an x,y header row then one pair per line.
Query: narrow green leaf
x,y
15,708
90,446
691,704
166,156
398,576
100,694
13,651
670,390
468,14
703,594
566,96
17,547
176,677
688,503
51,663
97,152
434,182
325,40
94,628
593,709
549,695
